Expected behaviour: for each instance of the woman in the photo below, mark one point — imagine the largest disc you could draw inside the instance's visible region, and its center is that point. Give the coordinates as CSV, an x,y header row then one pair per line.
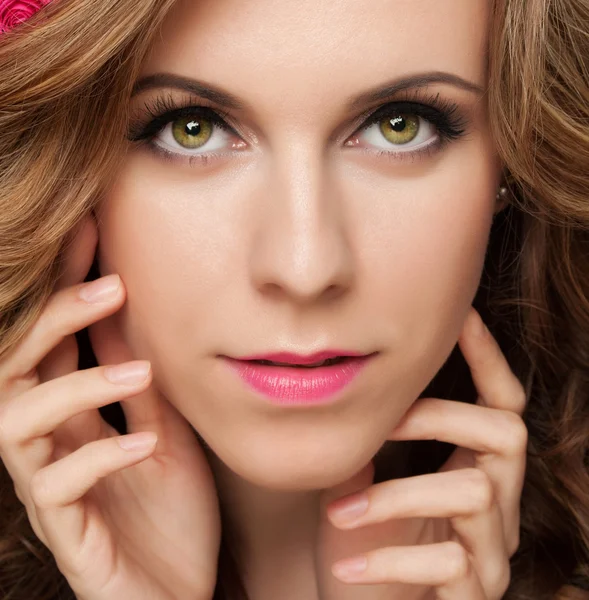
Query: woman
x,y
259,187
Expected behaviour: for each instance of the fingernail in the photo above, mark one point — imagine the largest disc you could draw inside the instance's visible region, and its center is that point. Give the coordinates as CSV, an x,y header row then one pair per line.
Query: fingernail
x,y
349,509
137,441
131,373
348,568
101,290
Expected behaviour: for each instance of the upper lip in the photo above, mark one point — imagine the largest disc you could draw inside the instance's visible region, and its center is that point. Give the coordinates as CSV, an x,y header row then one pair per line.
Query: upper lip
x,y
300,359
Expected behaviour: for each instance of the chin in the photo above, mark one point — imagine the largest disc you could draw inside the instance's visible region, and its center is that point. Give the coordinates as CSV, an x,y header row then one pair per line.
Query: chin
x,y
298,467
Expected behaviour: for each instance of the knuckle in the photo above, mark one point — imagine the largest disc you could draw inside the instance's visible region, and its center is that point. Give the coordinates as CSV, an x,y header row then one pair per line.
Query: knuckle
x,y
457,561
53,321
499,579
513,543
47,320
18,382
516,434
504,580
19,494
480,489
40,488
520,400
8,427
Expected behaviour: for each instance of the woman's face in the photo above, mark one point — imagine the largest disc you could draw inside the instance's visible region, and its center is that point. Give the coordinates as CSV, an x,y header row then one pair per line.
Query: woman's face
x,y
297,229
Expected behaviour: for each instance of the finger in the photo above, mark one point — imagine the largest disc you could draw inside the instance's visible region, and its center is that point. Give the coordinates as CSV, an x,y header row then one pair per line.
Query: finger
x,y
465,497
445,566
60,361
38,412
484,430
67,311
482,535
26,422
497,437
496,384
72,528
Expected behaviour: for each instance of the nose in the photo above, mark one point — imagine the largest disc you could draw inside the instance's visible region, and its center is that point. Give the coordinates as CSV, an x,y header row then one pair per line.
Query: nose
x,y
301,246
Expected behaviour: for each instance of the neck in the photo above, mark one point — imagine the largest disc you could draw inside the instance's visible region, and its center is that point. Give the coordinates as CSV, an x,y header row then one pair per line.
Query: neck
x,y
272,535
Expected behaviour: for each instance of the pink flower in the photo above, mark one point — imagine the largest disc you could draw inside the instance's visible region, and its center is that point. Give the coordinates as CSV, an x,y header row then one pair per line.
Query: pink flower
x,y
13,12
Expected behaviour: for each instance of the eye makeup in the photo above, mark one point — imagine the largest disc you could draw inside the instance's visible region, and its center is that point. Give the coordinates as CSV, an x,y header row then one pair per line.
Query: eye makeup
x,y
447,118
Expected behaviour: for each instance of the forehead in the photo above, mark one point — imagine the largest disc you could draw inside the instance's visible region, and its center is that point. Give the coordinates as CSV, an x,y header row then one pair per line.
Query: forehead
x,y
261,48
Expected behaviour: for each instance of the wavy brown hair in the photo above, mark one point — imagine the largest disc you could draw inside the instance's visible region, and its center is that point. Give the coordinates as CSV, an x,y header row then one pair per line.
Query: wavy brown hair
x,y
66,79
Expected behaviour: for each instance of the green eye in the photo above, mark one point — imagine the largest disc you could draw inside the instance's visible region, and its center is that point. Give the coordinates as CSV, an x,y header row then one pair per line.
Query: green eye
x,y
400,129
192,132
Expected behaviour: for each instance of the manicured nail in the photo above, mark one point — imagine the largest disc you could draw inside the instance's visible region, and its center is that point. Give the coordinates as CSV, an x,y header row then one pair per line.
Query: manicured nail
x,y
101,290
350,567
349,509
137,441
130,373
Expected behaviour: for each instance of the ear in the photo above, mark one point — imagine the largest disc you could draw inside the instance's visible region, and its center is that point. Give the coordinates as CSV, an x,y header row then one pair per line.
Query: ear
x,y
78,253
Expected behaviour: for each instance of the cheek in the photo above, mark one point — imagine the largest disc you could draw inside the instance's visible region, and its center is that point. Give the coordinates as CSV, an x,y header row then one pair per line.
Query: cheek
x,y
422,266
172,263
432,254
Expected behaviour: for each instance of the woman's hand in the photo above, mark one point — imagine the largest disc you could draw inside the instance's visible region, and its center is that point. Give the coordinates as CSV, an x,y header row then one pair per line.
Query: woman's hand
x,y
475,496
133,523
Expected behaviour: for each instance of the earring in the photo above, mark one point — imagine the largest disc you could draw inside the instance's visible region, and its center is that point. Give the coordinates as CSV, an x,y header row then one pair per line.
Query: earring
x,y
502,193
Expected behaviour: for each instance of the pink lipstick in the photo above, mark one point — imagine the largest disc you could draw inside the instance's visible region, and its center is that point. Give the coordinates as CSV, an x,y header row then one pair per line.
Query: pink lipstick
x,y
287,378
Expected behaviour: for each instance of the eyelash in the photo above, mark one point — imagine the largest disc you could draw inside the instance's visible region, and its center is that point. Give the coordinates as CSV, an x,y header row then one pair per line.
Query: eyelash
x,y
445,116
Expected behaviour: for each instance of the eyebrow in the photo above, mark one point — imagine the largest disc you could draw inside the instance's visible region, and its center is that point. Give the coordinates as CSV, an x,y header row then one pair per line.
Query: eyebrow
x,y
227,100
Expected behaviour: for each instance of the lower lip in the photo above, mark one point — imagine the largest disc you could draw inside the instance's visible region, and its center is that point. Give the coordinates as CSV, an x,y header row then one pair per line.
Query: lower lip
x,y
296,385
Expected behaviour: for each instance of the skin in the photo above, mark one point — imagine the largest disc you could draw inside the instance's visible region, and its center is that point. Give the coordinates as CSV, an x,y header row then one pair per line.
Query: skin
x,y
296,241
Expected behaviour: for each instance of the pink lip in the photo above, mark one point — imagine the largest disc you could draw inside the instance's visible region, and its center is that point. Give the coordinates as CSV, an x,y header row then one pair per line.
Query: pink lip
x,y
292,385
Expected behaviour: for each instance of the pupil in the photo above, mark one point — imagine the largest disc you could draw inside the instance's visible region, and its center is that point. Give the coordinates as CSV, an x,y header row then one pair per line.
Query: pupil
x,y
398,124
193,128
